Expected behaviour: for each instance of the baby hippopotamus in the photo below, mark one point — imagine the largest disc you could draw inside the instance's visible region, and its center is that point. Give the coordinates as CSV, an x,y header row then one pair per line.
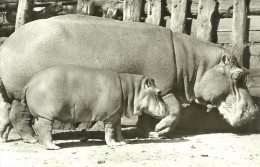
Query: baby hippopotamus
x,y
71,93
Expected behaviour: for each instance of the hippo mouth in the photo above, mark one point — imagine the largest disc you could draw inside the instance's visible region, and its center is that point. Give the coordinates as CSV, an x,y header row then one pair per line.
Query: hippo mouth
x,y
240,109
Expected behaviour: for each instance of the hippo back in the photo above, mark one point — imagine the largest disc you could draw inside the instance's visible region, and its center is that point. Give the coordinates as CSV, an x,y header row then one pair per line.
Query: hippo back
x,y
87,41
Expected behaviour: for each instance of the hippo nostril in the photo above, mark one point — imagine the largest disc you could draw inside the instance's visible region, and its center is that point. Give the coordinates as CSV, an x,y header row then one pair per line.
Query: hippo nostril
x,y
158,93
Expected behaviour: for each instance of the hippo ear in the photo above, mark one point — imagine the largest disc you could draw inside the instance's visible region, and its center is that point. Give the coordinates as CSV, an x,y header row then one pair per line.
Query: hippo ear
x,y
149,82
225,59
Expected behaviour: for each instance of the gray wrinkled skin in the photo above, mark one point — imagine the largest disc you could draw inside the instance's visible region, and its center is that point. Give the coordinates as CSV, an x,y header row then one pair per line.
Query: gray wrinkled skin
x,y
77,94
184,68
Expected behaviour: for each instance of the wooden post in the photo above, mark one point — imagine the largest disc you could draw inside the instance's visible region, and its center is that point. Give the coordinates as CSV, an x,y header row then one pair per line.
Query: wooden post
x,y
178,16
85,7
205,13
154,13
24,12
239,29
132,10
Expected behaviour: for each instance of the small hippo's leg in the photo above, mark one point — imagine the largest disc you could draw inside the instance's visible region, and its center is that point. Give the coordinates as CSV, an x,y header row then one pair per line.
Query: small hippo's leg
x,y
43,128
111,128
21,120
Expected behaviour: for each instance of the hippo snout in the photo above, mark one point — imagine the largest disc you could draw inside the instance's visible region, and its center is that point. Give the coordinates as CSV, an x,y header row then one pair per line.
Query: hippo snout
x,y
247,114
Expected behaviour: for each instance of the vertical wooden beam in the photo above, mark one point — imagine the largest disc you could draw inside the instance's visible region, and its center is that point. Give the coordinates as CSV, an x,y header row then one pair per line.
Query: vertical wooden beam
x,y
154,13
24,12
178,16
85,7
132,10
239,29
205,17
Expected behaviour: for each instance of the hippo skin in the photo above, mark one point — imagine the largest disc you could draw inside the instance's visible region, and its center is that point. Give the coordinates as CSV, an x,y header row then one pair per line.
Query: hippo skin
x,y
186,69
77,94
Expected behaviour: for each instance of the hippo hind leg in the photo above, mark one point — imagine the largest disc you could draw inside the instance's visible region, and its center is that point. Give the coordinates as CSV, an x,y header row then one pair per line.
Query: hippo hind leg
x,y
113,133
43,128
5,123
21,120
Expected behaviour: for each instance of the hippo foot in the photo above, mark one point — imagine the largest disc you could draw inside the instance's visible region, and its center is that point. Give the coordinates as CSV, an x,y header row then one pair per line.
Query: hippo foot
x,y
3,140
30,139
155,135
116,144
123,143
52,147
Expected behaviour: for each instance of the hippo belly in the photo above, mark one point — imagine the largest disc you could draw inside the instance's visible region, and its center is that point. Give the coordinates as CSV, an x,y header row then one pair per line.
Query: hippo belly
x,y
125,47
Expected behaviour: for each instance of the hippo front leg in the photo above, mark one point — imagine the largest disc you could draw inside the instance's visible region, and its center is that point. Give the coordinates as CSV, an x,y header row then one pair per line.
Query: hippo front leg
x,y
43,129
167,125
113,133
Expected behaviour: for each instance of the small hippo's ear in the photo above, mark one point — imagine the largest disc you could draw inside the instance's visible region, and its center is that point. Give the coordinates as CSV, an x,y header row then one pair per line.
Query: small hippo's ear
x,y
229,60
225,59
149,82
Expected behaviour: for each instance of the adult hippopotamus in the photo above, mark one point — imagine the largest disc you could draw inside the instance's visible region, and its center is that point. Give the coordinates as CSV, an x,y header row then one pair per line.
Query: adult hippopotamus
x,y
77,94
184,68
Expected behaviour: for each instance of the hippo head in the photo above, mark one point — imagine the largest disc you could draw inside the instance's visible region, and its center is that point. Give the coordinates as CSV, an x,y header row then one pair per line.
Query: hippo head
x,y
224,86
149,100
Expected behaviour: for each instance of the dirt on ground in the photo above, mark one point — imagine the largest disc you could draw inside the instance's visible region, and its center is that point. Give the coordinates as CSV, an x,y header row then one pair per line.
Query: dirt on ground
x,y
215,149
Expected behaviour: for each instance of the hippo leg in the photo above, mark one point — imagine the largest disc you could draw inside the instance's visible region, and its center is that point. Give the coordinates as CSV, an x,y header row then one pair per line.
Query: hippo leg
x,y
119,136
5,123
43,128
7,131
113,132
167,125
21,120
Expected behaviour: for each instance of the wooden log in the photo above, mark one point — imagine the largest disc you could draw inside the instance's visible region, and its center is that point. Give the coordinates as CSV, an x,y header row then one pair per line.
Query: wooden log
x,y
24,12
8,6
178,17
110,13
239,29
205,18
132,10
85,7
154,13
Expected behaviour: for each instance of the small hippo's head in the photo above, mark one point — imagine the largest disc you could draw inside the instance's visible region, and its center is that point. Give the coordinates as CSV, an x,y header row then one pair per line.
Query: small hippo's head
x,y
150,100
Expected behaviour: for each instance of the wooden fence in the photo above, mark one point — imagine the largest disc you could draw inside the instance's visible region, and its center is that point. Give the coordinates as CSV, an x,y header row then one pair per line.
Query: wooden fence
x,y
231,23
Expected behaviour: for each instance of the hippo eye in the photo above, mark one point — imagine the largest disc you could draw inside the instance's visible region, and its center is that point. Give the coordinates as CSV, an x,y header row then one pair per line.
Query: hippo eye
x,y
237,76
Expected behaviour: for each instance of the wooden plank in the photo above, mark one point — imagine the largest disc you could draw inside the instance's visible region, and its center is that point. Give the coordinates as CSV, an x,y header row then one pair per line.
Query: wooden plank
x,y
225,37
205,17
225,29
254,49
132,10
178,17
154,13
238,35
24,12
224,8
85,7
254,61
